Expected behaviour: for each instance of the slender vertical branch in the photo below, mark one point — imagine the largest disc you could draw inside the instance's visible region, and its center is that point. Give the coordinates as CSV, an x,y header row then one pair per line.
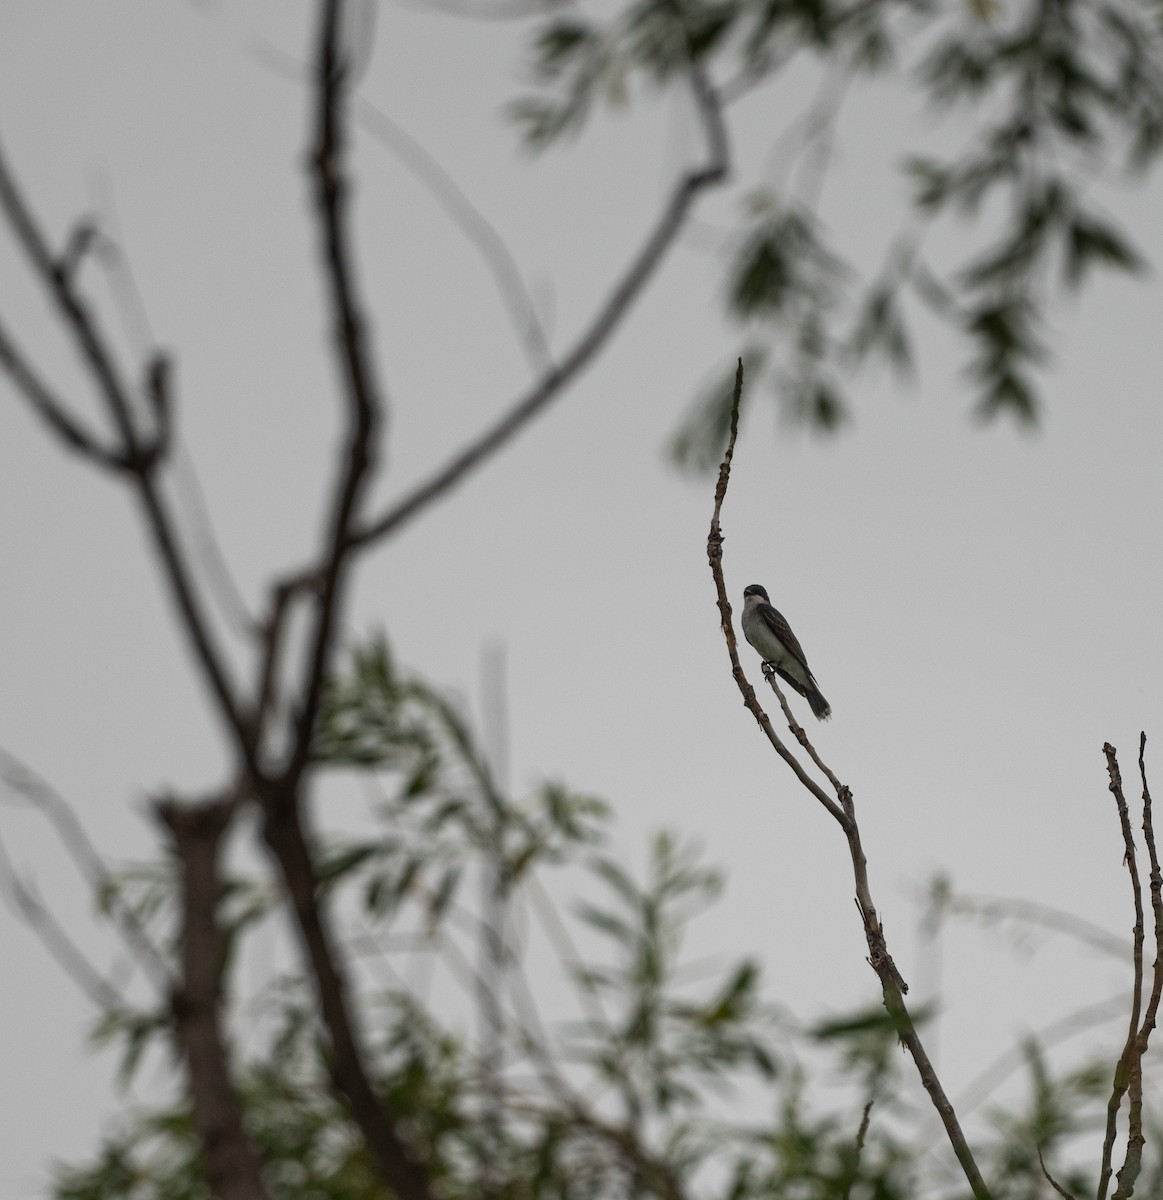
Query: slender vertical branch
x,y
401,1169
858,1149
893,986
361,394
138,456
1128,1066
233,1168
1133,1161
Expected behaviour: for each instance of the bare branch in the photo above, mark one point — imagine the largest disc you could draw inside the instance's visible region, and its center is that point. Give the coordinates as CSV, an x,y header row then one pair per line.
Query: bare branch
x,y
50,409
314,579
1128,1067
595,336
56,276
233,1167
893,986
451,197
1050,1178
715,555
138,457
1132,1163
57,810
801,736
361,394
403,1171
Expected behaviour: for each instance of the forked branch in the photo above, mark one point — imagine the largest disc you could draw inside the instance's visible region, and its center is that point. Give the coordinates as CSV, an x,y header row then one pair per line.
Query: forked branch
x,y
843,810
1128,1078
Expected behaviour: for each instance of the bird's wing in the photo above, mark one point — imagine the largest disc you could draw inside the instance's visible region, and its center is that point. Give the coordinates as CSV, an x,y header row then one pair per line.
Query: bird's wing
x,y
793,682
782,630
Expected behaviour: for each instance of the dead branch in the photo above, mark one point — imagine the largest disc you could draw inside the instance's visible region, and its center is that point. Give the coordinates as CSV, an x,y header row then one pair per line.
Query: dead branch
x,y
893,986
1128,1068
402,1170
138,456
1132,1163
50,408
360,391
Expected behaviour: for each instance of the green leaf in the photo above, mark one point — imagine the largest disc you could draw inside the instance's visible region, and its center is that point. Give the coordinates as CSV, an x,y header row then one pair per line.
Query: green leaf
x,y
1094,243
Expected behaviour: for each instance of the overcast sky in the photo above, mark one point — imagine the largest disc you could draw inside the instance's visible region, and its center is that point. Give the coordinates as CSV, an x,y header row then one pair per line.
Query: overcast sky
x,y
980,605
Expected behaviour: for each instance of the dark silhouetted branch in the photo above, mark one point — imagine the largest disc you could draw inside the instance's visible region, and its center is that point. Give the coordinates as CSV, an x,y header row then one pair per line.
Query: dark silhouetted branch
x,y
448,193
137,457
233,1168
50,409
402,1171
893,986
360,392
1129,1066
315,578
1132,1164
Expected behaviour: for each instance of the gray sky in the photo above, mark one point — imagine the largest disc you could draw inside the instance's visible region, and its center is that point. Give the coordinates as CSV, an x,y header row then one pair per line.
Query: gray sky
x,y
979,605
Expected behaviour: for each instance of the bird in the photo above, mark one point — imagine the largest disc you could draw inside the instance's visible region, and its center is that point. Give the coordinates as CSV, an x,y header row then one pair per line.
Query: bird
x,y
765,628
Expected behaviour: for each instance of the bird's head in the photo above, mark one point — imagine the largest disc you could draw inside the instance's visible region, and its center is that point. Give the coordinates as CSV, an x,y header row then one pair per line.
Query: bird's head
x,y
755,595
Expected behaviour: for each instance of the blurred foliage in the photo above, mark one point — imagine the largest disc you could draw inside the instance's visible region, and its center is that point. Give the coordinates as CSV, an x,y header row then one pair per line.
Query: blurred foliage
x,y
654,1076
1049,96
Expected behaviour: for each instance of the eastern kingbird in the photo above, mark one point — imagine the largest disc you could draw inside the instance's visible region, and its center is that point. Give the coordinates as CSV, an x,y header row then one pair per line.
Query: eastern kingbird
x,y
765,628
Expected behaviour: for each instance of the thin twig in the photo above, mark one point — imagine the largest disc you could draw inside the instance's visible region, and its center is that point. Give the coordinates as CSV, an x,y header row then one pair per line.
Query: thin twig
x,y
1050,1178
50,409
360,392
1127,1066
596,334
39,918
607,319
1132,1163
449,195
893,986
403,1171
139,456
38,792
843,793
861,1134
475,226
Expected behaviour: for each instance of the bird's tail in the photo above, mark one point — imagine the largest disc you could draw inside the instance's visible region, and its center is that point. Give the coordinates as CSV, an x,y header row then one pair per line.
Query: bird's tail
x,y
820,707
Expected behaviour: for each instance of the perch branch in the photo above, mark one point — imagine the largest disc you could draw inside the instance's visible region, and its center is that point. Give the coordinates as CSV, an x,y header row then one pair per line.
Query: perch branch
x,y
893,986
1127,1068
